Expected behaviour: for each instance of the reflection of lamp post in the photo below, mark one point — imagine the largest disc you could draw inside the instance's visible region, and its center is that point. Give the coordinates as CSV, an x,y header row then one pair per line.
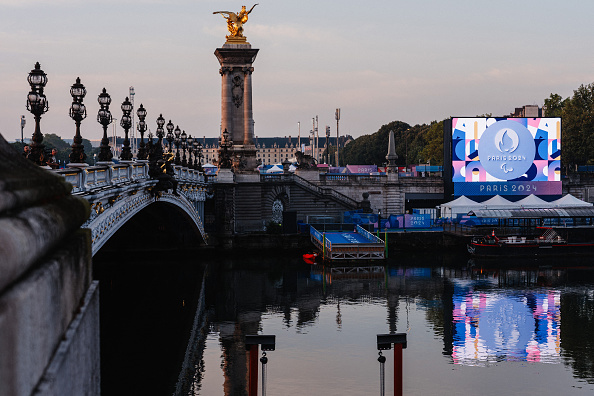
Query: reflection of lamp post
x,y
104,118
37,105
126,123
78,112
23,122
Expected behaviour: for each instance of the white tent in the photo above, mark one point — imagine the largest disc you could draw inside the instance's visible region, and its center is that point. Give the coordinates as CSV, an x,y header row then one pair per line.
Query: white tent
x,y
498,202
533,202
275,169
460,205
569,201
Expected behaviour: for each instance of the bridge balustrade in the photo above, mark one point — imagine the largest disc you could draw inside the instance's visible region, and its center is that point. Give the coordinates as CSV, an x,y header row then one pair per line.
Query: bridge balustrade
x,y
93,177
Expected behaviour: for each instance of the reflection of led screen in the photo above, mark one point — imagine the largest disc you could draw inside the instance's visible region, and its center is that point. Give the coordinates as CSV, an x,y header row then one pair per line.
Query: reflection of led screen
x,y
491,327
506,156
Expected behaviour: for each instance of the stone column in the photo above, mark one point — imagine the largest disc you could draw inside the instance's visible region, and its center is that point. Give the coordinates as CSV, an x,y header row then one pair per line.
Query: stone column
x,y
236,101
226,98
248,128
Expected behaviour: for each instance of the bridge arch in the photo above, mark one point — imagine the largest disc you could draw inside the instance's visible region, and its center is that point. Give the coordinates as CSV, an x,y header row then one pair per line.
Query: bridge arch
x,y
107,219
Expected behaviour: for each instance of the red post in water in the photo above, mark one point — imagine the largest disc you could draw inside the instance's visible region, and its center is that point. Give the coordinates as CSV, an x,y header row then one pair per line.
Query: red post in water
x,y
253,384
397,369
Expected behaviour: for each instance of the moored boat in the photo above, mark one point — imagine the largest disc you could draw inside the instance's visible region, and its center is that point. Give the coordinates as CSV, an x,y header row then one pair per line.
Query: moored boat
x,y
550,243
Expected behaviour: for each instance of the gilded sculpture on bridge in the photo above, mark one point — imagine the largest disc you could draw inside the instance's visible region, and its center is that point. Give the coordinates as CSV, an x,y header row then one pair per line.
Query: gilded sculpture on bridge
x,y
235,22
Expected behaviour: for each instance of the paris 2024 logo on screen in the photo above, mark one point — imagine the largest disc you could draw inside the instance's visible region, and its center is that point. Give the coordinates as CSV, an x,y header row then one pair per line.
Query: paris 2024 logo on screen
x,y
506,156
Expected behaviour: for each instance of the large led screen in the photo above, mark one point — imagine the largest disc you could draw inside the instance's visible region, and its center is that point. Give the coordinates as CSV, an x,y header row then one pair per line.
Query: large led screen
x,y
506,156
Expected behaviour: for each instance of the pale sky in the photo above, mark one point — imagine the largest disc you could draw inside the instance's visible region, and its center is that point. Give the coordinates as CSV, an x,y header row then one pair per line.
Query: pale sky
x,y
378,60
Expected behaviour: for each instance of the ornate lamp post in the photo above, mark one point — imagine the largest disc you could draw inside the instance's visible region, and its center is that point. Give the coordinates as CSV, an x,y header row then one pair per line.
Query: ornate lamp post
x,y
141,113
184,145
78,112
104,118
126,123
150,147
225,145
170,135
199,155
23,122
37,105
177,142
160,135
190,144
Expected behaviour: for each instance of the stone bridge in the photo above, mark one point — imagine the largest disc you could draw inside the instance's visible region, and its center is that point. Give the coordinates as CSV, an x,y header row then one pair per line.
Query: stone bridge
x,y
117,193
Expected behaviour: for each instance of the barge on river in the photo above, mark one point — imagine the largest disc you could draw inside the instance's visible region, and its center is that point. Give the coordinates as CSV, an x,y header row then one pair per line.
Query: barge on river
x,y
357,245
550,243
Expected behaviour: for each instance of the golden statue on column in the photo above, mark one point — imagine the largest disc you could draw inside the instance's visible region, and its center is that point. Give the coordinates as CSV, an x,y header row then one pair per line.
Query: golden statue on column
x,y
235,23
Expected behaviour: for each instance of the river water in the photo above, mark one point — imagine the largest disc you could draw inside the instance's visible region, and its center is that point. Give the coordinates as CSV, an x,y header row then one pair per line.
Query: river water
x,y
176,324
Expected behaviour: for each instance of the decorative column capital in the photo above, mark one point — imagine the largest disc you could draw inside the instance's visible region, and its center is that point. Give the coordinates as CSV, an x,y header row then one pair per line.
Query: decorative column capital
x,y
225,70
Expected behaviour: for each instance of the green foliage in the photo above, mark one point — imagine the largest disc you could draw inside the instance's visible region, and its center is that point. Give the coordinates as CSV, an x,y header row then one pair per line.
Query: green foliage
x,y
553,105
372,149
433,150
578,127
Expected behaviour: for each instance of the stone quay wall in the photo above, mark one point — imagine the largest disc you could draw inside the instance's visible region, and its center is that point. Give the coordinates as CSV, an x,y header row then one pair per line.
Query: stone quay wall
x,y
49,304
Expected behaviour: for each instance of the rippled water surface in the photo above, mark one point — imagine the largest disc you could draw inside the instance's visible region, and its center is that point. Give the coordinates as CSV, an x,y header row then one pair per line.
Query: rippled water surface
x,y
522,328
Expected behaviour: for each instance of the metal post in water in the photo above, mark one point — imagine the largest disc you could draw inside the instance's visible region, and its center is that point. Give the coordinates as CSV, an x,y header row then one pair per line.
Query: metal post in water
x,y
397,369
253,378
268,343
384,342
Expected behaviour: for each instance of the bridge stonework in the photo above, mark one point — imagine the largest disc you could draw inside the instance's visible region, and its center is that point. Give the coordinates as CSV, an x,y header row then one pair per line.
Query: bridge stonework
x,y
49,304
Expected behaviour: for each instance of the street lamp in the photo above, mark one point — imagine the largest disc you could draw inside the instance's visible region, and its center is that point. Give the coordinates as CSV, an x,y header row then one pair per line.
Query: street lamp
x,y
190,144
177,142
141,113
37,105
184,142
225,145
199,155
126,123
160,134
23,122
104,118
170,135
78,112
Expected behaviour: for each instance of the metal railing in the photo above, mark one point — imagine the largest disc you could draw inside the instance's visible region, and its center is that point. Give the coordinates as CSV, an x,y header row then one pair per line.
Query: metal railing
x,y
312,187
